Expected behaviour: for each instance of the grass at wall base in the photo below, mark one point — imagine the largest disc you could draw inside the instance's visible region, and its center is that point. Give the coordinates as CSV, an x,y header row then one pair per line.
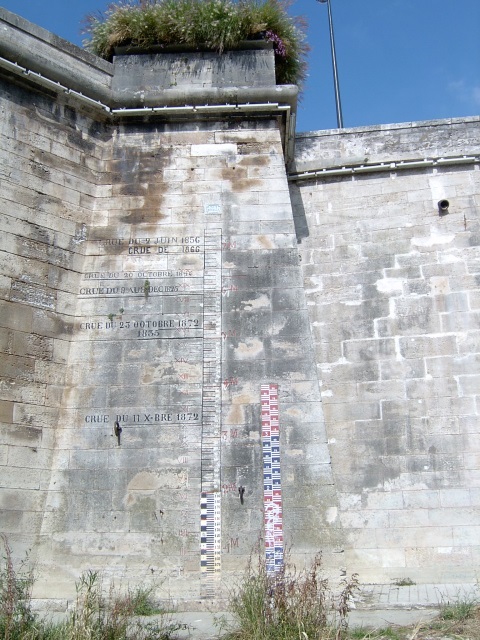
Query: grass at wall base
x,y
292,606
288,605
96,615
206,25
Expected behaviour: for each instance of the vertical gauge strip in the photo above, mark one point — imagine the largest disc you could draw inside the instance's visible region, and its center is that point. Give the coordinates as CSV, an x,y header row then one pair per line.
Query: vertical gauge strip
x,y
210,542
272,485
210,508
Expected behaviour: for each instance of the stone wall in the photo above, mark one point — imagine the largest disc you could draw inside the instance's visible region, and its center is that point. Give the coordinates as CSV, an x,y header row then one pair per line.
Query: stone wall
x,y
164,292
186,298
52,169
393,293
184,197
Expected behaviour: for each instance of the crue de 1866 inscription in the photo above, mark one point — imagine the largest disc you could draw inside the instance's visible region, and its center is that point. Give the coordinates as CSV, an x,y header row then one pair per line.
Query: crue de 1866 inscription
x,y
152,246
105,291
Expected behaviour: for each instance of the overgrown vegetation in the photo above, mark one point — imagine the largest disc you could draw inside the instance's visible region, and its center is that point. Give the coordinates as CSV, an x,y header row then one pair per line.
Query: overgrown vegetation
x,y
289,605
460,610
212,25
16,617
95,616
143,603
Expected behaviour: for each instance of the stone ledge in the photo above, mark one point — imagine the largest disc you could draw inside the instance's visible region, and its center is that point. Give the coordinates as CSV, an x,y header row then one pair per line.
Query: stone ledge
x,y
43,52
441,122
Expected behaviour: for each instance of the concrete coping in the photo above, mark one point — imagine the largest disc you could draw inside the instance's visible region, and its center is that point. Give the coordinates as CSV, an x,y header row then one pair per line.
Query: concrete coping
x,y
175,48
281,94
352,131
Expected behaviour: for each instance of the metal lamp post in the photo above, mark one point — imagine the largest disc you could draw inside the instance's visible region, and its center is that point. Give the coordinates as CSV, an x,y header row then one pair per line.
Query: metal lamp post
x,y
334,65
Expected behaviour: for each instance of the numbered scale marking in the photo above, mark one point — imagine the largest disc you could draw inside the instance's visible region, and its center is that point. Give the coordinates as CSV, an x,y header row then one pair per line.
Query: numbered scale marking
x,y
210,507
272,486
210,542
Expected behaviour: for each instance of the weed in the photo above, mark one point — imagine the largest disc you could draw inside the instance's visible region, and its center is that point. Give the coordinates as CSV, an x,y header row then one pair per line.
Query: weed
x,y
385,633
345,599
458,611
388,632
403,582
96,616
16,616
359,633
142,602
460,620
289,605
146,288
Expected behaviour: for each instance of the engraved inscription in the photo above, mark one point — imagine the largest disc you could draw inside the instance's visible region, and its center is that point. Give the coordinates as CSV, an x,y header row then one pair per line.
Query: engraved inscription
x,y
148,328
152,416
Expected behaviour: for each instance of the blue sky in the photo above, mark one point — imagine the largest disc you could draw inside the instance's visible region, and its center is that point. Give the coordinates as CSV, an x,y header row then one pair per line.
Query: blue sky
x,y
398,60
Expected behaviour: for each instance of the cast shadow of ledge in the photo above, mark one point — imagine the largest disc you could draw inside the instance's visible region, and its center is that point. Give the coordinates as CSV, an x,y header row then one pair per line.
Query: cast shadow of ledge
x,y
299,217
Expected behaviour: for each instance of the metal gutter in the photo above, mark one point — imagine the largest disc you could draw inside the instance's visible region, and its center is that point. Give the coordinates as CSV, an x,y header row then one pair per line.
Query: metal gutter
x,y
43,81
402,165
201,108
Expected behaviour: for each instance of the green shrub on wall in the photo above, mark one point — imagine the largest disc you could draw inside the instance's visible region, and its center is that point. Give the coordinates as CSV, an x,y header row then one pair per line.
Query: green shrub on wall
x,y
212,25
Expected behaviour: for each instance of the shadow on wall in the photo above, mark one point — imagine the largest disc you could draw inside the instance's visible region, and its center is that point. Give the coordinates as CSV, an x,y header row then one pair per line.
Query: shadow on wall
x,y
299,217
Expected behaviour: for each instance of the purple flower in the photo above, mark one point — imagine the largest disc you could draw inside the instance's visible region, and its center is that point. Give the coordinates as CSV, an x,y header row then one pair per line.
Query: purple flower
x,y
278,45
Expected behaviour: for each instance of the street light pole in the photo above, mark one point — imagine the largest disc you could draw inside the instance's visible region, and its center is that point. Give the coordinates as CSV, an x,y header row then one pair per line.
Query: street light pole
x,y
336,85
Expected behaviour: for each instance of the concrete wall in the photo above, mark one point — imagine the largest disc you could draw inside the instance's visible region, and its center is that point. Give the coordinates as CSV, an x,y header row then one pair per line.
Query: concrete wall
x,y
393,293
